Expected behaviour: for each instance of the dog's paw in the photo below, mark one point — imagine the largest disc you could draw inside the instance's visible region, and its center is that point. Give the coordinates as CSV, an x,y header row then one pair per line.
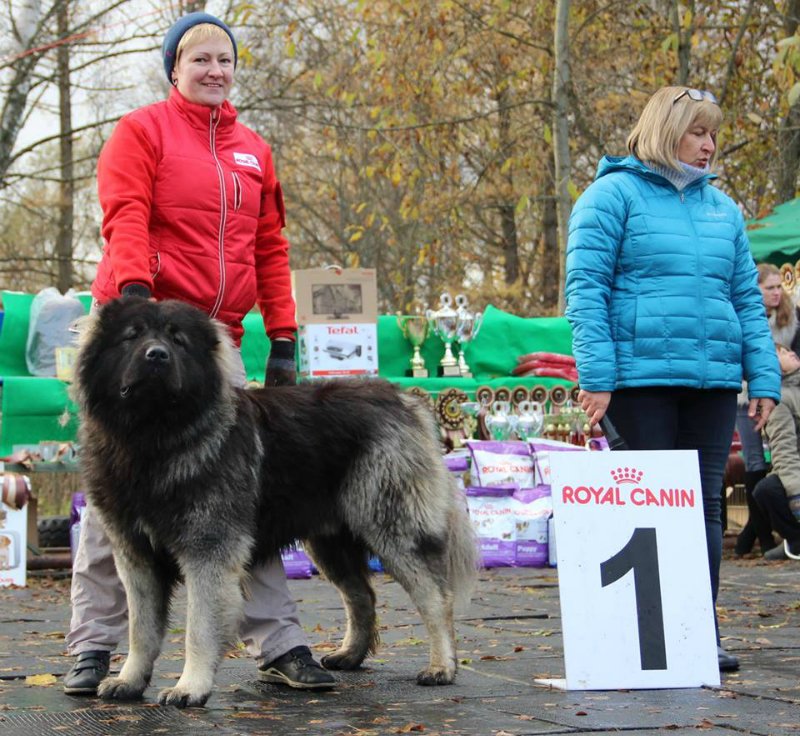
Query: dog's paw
x,y
436,676
342,659
115,688
181,698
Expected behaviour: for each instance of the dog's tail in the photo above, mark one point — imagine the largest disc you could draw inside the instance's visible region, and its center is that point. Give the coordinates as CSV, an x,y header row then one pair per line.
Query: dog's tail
x,y
463,560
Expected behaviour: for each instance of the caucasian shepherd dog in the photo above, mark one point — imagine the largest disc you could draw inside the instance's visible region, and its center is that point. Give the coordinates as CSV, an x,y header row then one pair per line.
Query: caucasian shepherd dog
x,y
196,479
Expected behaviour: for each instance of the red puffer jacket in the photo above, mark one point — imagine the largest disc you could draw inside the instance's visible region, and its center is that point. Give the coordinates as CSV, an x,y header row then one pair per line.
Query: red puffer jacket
x,y
192,209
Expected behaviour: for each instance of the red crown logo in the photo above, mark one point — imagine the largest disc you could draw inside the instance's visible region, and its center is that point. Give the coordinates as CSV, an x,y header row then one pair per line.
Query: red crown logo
x,y
627,475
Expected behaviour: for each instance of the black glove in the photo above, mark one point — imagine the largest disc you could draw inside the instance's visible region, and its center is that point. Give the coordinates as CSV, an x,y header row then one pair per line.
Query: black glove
x,y
136,289
281,369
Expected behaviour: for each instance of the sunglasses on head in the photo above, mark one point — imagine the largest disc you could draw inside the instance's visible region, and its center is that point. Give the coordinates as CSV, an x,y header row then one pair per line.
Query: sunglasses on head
x,y
697,95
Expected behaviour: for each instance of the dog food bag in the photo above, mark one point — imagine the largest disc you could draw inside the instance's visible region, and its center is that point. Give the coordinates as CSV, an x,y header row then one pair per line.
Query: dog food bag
x,y
75,518
541,449
501,464
457,464
491,511
532,507
297,563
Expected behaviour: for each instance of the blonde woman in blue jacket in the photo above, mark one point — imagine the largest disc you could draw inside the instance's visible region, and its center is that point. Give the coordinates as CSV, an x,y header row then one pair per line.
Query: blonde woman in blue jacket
x,y
666,315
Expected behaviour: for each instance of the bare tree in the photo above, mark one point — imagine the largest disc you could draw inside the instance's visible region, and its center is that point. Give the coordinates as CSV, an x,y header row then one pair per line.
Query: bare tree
x,y
561,156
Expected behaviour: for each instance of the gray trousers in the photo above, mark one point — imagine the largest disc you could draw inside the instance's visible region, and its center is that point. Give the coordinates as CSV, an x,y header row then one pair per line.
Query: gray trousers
x,y
270,626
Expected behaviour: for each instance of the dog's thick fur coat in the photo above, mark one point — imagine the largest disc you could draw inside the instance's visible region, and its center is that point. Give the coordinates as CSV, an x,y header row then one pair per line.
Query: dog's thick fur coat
x,y
196,479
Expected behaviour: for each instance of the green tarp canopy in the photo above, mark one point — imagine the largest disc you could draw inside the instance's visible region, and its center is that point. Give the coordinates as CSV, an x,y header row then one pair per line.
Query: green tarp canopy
x,y
776,237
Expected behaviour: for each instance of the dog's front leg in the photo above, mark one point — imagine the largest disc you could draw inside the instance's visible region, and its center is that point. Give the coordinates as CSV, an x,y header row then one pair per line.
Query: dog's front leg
x,y
214,609
148,600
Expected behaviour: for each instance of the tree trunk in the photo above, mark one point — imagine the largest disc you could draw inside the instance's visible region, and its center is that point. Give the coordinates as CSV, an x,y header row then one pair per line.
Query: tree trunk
x,y
67,182
561,157
789,130
684,37
508,220
548,249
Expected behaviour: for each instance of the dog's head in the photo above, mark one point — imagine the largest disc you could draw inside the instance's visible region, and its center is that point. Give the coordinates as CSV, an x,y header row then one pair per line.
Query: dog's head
x,y
142,362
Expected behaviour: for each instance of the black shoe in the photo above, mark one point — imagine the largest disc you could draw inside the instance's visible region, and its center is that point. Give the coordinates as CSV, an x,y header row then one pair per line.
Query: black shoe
x,y
745,540
297,669
87,672
727,662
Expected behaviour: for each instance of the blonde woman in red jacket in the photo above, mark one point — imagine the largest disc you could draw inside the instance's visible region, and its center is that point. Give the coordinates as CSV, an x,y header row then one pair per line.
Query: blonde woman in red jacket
x,y
192,211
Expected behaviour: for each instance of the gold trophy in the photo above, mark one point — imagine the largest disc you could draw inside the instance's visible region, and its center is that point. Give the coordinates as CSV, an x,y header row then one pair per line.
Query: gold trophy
x,y
415,330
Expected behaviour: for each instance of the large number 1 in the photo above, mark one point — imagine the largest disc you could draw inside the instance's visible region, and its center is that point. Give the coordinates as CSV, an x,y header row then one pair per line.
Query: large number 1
x,y
640,554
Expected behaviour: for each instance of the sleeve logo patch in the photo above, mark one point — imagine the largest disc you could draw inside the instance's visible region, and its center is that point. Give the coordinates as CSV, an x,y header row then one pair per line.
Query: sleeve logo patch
x,y
246,159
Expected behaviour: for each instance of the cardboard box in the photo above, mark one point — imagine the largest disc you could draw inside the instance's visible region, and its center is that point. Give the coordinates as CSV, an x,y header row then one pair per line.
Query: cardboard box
x,y
335,350
337,313
326,295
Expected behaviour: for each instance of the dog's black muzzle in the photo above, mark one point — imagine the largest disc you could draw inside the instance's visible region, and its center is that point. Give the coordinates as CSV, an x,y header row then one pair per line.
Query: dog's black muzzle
x,y
153,366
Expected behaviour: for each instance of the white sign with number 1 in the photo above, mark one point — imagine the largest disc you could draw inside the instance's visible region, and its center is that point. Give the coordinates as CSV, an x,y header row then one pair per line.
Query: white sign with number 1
x,y
633,570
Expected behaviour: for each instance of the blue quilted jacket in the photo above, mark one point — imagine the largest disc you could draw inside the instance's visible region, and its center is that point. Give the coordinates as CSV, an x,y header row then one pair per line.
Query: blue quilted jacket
x,y
661,288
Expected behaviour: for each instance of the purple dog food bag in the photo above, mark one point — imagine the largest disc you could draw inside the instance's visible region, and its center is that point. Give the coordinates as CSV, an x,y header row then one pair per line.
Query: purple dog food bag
x,y
297,564
532,507
492,514
500,463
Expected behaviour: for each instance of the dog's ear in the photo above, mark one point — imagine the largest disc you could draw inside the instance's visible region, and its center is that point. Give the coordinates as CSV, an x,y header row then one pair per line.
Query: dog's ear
x,y
225,351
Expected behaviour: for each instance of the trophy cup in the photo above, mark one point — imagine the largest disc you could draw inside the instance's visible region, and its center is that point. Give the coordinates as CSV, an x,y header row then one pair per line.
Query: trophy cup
x,y
443,323
499,421
530,421
415,330
467,326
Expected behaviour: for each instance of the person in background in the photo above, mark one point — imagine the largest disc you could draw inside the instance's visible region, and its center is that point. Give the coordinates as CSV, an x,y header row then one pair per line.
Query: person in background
x,y
192,210
661,293
778,494
782,316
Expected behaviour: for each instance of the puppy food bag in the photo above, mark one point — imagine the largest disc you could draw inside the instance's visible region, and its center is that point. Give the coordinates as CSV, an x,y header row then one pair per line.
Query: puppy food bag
x,y
492,514
501,464
532,507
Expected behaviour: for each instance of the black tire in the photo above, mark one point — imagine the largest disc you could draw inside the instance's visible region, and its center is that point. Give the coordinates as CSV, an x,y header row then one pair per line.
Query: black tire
x,y
53,531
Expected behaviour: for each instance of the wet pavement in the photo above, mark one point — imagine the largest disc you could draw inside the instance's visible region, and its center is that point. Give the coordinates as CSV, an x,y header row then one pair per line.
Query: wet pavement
x,y
508,637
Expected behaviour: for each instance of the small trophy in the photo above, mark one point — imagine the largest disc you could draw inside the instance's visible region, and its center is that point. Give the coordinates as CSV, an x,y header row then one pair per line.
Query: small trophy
x,y
500,422
443,323
467,326
531,420
415,330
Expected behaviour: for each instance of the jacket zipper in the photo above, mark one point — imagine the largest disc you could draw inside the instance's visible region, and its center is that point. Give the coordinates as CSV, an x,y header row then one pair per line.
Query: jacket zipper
x,y
212,140
700,310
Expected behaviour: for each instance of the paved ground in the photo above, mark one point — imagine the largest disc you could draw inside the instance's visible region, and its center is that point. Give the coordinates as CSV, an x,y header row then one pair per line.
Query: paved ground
x,y
510,635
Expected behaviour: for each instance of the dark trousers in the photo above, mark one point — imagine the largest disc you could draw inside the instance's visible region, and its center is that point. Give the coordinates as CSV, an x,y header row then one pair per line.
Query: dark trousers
x,y
770,495
676,418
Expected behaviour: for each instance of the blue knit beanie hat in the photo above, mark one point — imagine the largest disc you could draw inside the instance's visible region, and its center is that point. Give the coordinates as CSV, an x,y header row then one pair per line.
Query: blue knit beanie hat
x,y
174,35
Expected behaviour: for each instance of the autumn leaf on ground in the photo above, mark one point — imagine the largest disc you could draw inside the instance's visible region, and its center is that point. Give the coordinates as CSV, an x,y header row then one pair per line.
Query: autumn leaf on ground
x,y
40,680
410,728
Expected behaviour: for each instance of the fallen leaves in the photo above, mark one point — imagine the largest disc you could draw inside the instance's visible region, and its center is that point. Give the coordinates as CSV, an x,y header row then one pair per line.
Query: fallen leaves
x,y
41,680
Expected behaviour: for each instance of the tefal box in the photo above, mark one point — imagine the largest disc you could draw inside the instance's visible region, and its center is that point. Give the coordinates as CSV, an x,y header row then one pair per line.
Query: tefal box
x,y
335,350
337,313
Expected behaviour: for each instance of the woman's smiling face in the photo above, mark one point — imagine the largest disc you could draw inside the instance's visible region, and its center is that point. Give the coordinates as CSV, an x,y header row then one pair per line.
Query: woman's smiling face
x,y
204,72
